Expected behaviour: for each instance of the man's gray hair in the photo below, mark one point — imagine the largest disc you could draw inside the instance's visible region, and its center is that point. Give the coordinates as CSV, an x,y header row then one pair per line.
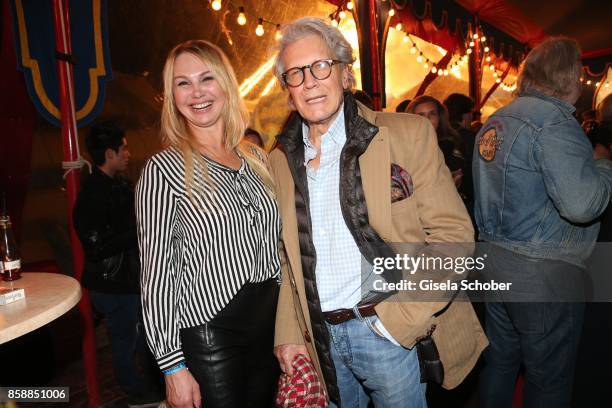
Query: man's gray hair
x,y
553,67
338,45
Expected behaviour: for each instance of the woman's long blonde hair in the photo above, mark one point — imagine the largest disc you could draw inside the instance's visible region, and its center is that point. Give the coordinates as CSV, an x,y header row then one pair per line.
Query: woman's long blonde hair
x,y
175,132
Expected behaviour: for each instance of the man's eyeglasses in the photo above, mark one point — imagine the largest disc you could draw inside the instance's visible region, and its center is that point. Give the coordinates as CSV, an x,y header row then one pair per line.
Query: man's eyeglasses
x,y
320,70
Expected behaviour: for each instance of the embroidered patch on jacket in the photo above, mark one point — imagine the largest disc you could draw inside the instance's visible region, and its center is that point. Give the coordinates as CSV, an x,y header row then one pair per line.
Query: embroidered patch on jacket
x,y
401,183
488,145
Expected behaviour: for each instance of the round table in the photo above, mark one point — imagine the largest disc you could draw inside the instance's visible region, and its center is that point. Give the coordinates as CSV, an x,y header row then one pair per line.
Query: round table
x,y
47,297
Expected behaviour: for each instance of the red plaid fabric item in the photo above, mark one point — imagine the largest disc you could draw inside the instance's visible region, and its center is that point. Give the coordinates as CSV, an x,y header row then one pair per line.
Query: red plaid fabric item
x,y
303,389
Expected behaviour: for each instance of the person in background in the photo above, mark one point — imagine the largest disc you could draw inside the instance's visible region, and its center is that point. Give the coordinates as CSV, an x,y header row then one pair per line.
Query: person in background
x,y
476,124
460,112
350,181
363,97
105,223
589,121
208,228
253,136
449,140
594,355
538,192
401,107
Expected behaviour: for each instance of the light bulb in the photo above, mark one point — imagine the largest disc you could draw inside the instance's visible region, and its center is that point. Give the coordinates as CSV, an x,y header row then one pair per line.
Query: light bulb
x,y
413,50
216,5
349,5
486,49
342,14
589,82
495,75
607,85
491,67
391,12
434,70
472,43
475,36
483,38
498,80
259,30
398,26
440,72
488,59
405,39
420,58
278,34
468,51
426,65
334,22
241,17
445,72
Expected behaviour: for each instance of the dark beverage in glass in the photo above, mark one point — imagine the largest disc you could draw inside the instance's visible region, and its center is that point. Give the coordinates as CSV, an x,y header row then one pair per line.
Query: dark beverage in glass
x,y
9,253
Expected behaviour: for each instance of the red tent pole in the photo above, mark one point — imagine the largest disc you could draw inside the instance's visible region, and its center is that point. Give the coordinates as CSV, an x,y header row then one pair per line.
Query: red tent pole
x,y
373,49
61,21
475,68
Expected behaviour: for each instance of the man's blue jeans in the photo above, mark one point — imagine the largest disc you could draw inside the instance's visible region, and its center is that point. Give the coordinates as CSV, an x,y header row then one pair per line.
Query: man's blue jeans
x,y
544,338
370,367
132,361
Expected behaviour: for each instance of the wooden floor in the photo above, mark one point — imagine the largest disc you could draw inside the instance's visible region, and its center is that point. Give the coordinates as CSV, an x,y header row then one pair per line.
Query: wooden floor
x,y
51,356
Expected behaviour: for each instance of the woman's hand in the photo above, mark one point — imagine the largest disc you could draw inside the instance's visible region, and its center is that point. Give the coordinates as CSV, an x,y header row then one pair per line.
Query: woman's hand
x,y
286,353
182,390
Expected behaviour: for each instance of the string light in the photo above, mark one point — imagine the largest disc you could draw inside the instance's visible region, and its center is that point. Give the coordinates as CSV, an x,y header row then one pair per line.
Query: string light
x,y
472,43
486,49
483,38
241,17
268,87
426,65
434,70
413,49
349,5
475,36
440,72
391,12
259,30
420,57
278,34
216,5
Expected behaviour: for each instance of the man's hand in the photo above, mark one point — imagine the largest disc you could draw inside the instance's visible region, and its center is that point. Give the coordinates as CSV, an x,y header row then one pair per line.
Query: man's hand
x,y
286,353
182,390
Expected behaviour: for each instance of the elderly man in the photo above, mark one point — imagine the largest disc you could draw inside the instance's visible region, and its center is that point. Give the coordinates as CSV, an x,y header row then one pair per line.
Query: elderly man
x,y
538,190
349,180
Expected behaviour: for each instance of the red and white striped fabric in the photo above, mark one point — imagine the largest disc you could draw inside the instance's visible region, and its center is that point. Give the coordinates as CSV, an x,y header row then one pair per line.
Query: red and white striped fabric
x,y
303,389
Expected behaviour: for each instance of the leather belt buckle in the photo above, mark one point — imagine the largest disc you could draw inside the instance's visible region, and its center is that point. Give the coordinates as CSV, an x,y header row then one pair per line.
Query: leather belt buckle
x,y
338,316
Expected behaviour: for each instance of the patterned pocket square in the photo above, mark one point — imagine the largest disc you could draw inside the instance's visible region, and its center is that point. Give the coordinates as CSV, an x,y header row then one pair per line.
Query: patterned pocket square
x,y
401,183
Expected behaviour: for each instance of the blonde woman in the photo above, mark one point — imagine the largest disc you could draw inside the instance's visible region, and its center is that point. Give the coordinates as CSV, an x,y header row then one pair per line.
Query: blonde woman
x,y
208,232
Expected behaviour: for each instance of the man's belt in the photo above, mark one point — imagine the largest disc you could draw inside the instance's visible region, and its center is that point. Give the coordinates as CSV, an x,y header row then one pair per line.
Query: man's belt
x,y
342,315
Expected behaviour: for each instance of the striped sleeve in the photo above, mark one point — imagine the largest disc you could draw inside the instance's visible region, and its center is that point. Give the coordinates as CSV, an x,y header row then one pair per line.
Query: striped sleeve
x,y
155,213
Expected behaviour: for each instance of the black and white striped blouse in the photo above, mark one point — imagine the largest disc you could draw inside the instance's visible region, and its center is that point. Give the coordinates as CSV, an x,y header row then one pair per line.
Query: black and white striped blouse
x,y
197,253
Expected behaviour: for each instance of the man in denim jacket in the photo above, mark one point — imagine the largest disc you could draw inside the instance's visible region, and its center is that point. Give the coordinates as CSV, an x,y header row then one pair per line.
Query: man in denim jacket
x,y
537,191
